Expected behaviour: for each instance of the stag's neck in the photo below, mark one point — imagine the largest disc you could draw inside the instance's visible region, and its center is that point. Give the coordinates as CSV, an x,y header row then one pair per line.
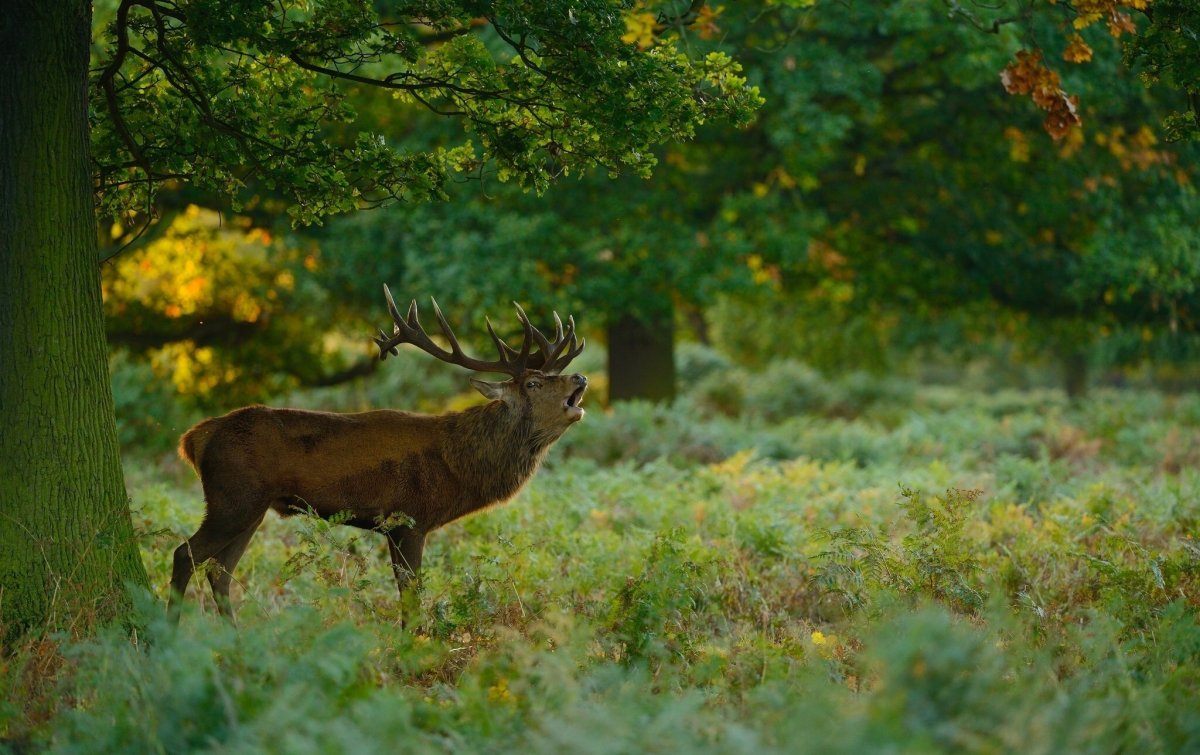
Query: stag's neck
x,y
497,450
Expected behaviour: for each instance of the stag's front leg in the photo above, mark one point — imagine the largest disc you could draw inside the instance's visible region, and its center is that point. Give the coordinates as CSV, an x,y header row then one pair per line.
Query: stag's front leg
x,y
405,545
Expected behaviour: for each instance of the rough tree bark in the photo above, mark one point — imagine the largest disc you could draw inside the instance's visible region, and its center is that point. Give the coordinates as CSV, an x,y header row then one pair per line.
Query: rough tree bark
x,y
66,539
641,354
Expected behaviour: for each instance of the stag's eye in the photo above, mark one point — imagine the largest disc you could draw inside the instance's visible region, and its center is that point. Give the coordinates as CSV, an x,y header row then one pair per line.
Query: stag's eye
x,y
533,384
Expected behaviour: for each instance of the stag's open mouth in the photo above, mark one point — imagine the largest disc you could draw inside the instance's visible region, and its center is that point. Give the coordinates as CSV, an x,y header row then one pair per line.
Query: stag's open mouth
x,y
572,402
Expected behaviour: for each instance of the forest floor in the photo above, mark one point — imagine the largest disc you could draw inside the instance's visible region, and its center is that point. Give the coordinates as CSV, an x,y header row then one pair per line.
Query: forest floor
x,y
867,567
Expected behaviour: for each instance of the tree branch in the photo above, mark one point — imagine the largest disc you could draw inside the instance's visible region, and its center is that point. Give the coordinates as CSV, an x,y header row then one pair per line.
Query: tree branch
x,y
687,18
107,80
202,331
448,34
956,10
353,372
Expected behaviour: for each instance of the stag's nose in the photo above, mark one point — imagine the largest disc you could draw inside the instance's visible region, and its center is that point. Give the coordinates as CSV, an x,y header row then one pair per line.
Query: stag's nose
x,y
578,379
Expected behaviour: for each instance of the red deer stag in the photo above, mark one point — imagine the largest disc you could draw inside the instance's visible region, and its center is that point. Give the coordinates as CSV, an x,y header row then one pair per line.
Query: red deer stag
x,y
381,466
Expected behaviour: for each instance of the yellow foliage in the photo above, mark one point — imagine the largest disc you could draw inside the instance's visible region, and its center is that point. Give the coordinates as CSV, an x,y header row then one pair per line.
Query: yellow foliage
x,y
706,21
1018,148
761,273
191,370
827,645
1077,50
734,466
1071,143
246,308
1137,150
199,265
602,519
639,29
199,270
1093,11
783,178
500,693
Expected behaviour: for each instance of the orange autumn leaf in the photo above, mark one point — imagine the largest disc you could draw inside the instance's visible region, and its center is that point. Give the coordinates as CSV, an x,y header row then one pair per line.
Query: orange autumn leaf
x,y
1121,23
1089,12
706,22
1028,75
1062,116
1077,50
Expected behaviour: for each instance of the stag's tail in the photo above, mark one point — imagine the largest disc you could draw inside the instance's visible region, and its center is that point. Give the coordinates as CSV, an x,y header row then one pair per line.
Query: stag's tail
x,y
191,445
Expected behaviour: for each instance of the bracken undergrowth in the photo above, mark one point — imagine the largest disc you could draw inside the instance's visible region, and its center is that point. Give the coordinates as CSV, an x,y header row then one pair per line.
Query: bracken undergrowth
x,y
930,570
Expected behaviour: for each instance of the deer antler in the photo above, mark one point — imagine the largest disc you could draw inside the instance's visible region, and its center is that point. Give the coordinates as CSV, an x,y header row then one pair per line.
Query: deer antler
x,y
549,357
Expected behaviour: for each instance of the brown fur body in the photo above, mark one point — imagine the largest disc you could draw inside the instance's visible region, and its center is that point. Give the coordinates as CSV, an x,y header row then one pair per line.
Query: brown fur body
x,y
374,465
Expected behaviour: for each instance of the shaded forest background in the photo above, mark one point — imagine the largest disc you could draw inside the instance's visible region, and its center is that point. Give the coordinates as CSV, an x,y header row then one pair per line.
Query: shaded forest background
x,y
891,208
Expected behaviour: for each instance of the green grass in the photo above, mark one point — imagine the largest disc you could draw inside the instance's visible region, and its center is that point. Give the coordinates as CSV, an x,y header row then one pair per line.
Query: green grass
x,y
900,569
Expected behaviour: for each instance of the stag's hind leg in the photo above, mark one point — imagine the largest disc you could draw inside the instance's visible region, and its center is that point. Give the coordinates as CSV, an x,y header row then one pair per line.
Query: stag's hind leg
x,y
227,527
227,560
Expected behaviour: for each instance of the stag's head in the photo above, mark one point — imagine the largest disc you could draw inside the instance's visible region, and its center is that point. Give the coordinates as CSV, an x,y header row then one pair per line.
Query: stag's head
x,y
536,385
552,401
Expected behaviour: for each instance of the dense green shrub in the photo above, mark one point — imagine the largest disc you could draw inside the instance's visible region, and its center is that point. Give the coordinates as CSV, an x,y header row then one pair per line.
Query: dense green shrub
x,y
694,362
791,389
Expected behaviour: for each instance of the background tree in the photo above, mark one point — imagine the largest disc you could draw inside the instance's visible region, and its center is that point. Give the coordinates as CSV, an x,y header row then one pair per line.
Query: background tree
x,y
889,181
1158,38
247,99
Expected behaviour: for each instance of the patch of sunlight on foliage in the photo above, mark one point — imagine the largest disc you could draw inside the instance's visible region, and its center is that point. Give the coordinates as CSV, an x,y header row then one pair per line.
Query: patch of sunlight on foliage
x,y
198,265
212,307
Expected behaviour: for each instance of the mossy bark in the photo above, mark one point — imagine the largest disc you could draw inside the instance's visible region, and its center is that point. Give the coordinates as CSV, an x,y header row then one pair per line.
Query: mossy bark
x,y
67,547
641,354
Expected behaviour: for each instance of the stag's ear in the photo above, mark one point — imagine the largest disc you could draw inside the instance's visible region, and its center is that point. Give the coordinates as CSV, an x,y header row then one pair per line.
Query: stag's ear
x,y
502,391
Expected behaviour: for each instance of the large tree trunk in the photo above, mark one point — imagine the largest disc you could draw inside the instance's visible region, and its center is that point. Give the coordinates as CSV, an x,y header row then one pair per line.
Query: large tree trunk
x,y
66,539
1075,373
641,355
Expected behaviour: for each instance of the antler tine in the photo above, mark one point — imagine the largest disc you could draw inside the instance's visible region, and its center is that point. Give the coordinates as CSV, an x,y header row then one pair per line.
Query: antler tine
x,y
530,334
381,341
506,352
391,305
550,357
572,350
560,340
530,330
446,331
558,329
408,329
